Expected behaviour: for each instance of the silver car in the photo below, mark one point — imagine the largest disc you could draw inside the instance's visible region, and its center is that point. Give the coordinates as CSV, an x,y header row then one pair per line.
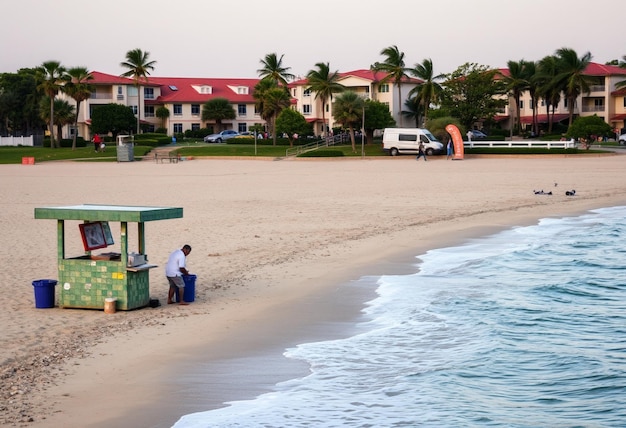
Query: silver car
x,y
220,137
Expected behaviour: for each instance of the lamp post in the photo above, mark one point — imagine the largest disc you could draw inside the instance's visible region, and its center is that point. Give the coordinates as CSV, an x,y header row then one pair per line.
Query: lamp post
x,y
255,137
363,134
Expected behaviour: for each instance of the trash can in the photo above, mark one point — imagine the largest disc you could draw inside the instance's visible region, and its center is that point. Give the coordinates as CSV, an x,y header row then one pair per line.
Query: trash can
x,y
189,294
44,293
125,148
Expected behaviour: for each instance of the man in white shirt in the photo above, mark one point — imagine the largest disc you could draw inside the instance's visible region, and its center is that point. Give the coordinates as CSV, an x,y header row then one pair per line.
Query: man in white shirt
x,y
174,271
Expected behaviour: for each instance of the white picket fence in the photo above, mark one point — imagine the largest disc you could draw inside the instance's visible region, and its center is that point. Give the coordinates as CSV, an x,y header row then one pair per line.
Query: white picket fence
x,y
17,141
569,144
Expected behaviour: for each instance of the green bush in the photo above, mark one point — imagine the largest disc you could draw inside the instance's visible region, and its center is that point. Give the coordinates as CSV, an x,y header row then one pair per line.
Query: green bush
x,y
322,154
152,138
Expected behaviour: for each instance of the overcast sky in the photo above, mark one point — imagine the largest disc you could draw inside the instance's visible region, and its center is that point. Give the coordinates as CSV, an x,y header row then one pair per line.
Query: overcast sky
x,y
228,38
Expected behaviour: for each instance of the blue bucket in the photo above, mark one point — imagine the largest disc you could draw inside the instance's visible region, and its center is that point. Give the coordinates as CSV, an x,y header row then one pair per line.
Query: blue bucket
x,y
189,294
44,293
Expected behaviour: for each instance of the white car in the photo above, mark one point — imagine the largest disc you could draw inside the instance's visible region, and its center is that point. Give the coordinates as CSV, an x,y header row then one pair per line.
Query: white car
x,y
622,139
222,136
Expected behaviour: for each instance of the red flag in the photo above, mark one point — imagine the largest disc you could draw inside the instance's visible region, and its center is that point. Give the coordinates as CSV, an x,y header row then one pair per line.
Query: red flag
x,y
457,140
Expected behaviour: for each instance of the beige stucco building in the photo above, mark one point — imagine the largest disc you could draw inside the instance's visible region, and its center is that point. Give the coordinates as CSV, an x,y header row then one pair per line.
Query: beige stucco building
x,y
184,97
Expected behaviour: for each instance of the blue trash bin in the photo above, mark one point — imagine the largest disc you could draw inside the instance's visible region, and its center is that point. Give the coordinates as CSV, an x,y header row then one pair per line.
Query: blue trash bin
x,y
190,289
44,293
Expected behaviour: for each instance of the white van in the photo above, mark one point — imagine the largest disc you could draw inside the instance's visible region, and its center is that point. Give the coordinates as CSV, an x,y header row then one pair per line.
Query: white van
x,y
407,140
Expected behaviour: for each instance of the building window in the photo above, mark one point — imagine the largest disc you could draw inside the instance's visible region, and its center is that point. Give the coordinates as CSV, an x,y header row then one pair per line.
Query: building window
x,y
242,90
624,101
178,109
295,93
148,93
242,127
132,91
134,109
178,128
521,104
306,93
195,109
383,88
195,126
120,94
241,109
306,109
149,111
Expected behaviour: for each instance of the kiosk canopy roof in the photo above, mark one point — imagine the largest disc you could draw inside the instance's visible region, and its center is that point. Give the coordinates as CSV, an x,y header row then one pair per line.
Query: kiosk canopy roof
x,y
124,213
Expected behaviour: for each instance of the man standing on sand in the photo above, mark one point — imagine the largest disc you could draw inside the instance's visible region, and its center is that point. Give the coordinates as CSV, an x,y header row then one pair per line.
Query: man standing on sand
x,y
174,271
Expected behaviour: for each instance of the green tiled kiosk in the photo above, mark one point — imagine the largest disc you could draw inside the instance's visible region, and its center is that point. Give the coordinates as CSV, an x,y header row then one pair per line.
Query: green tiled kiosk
x,y
86,281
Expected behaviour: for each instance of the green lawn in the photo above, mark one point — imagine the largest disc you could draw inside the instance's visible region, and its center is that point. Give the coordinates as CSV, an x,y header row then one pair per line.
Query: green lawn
x,y
14,155
202,149
10,155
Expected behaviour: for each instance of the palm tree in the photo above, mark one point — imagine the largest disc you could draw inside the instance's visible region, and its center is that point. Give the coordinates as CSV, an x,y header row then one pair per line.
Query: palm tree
x,y
218,109
547,69
139,69
622,64
162,113
571,78
396,71
77,86
517,82
276,100
274,70
429,90
271,99
324,84
259,95
64,115
51,78
530,70
348,110
413,110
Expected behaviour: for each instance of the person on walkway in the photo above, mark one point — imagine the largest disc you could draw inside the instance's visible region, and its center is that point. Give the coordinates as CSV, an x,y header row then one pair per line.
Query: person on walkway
x,y
96,140
470,134
174,271
421,151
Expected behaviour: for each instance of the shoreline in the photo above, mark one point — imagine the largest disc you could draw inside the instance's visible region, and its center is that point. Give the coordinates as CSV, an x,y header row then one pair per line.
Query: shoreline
x,y
259,263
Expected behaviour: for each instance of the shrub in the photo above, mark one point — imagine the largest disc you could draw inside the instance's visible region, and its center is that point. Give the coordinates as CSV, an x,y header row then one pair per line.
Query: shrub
x,y
322,154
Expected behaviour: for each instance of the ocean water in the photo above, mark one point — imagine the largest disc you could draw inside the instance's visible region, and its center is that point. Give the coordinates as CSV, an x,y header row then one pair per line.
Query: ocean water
x,y
525,328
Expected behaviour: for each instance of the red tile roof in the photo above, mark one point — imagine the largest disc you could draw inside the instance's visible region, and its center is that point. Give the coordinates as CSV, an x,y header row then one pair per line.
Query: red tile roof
x,y
220,88
595,69
363,74
185,92
109,79
543,118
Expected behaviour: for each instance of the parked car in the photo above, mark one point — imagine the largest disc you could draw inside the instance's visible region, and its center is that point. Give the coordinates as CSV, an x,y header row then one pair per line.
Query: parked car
x,y
220,137
478,135
622,139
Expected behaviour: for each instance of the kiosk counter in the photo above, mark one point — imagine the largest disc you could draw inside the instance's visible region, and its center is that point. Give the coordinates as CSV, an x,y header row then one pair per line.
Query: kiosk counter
x,y
87,280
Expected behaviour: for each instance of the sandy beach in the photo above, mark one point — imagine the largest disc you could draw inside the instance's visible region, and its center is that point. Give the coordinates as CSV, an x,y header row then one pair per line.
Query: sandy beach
x,y
275,246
